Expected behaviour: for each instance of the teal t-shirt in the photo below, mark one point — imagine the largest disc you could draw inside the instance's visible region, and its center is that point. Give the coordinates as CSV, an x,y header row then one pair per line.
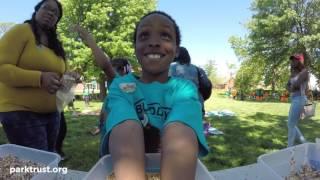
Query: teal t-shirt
x,y
155,103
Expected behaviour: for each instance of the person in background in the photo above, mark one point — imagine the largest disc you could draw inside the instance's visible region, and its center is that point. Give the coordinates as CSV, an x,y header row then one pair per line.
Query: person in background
x,y
101,59
297,86
182,68
154,100
114,68
122,67
234,93
32,61
86,95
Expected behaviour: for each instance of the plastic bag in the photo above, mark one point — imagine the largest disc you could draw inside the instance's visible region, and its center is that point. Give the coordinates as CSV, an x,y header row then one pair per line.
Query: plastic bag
x,y
65,94
308,110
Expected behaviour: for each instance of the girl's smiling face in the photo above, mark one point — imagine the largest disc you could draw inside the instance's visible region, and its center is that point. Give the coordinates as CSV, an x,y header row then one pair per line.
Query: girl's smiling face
x,y
156,45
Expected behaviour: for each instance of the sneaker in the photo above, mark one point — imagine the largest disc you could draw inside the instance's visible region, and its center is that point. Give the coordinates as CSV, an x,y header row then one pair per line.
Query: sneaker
x,y
64,157
95,131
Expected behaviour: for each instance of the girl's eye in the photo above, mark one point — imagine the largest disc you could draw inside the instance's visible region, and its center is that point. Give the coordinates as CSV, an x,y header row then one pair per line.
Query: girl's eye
x,y
166,36
143,35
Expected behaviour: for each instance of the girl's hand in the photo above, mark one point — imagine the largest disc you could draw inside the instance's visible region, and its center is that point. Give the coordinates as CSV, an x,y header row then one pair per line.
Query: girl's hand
x,y
85,36
50,81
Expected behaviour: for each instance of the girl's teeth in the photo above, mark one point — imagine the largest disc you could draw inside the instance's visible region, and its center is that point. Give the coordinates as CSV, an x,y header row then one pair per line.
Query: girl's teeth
x,y
154,56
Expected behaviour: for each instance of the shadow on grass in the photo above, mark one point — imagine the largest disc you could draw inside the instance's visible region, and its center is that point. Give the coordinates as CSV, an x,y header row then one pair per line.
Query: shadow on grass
x,y
248,137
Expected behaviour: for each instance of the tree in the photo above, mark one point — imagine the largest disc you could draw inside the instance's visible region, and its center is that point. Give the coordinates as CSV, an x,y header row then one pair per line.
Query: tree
x,y
251,70
112,24
211,69
249,75
4,27
278,29
231,67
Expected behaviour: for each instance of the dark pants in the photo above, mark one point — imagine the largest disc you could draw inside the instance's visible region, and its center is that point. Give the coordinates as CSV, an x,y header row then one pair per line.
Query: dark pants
x,y
31,129
151,139
62,134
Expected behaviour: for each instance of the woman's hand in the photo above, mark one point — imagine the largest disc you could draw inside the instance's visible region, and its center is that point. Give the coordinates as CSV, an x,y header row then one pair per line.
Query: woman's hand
x,y
50,81
85,36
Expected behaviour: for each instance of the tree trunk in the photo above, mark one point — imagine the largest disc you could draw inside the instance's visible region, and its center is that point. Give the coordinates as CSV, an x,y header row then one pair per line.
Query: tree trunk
x,y
273,83
273,86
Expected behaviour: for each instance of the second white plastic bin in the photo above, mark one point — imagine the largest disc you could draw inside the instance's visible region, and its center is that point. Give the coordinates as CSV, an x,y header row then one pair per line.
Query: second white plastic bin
x,y
278,162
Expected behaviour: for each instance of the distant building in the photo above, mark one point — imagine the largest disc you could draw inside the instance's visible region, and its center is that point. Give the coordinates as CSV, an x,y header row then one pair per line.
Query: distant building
x,y
93,87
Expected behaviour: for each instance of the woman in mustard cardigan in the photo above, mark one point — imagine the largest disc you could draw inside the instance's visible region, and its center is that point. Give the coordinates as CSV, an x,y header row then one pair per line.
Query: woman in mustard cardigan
x,y
32,61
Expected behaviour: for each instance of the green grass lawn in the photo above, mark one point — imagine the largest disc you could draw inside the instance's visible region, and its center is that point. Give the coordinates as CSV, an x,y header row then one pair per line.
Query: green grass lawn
x,y
257,128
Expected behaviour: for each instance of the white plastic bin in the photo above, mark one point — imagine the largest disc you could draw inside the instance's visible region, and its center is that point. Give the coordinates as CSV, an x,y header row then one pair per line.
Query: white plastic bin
x,y
103,168
38,156
279,162
250,172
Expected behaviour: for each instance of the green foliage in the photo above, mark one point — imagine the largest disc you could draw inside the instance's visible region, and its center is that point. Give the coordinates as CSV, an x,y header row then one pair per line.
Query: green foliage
x,y
240,47
112,24
249,75
211,69
278,29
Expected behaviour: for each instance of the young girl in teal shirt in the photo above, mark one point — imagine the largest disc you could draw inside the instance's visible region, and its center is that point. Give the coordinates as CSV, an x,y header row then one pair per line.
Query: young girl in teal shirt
x,y
168,104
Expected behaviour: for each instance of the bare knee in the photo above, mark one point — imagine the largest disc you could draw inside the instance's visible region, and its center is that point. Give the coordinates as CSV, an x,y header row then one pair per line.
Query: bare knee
x,y
126,147
125,137
179,152
125,128
179,138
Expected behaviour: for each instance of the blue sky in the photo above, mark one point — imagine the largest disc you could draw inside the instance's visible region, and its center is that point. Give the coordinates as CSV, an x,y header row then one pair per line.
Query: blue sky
x,y
206,25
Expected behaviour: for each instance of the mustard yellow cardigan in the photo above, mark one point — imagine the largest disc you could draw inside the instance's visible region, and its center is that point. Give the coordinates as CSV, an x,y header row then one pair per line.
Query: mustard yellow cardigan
x,y
21,64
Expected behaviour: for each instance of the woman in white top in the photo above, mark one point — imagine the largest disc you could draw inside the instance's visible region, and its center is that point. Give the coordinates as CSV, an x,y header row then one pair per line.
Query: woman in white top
x,y
297,86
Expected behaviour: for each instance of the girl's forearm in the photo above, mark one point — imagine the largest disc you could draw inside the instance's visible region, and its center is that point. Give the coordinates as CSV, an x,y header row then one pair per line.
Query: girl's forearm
x,y
102,60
